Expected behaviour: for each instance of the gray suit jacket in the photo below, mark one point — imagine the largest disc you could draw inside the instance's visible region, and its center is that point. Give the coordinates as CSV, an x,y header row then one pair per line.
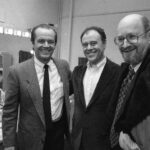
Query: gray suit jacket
x,y
23,100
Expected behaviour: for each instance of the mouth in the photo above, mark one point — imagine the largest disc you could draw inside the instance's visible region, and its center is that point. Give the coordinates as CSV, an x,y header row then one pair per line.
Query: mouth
x,y
90,51
46,50
127,50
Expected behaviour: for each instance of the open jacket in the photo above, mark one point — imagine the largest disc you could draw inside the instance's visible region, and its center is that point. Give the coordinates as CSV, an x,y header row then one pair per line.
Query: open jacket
x,y
88,121
23,90
137,107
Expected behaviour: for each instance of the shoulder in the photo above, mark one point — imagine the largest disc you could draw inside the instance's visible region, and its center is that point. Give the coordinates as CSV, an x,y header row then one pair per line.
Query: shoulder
x,y
61,62
21,66
112,66
79,68
63,66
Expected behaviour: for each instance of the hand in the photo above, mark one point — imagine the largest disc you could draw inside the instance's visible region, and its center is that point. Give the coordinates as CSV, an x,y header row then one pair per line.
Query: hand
x,y
122,142
9,148
126,143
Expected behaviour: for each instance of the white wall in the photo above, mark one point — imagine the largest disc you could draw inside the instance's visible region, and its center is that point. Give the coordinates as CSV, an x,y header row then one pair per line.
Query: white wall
x,y
24,14
103,13
72,17
28,13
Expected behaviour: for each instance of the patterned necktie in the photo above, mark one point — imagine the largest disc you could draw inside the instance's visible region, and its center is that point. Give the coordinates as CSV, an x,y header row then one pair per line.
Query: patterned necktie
x,y
46,98
114,136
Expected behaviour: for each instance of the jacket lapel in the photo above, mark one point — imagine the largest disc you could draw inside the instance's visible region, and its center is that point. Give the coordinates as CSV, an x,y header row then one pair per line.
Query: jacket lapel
x,y
64,79
103,82
61,73
34,90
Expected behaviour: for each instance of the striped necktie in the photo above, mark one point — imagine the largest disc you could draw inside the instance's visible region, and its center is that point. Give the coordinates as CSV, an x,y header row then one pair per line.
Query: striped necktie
x,y
114,136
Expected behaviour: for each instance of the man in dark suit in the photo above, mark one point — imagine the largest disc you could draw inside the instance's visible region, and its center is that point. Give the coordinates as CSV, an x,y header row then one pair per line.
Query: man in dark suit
x,y
93,85
130,104
29,124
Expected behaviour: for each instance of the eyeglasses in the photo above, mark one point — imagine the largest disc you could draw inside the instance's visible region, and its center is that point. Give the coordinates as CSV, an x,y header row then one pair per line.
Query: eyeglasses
x,y
131,38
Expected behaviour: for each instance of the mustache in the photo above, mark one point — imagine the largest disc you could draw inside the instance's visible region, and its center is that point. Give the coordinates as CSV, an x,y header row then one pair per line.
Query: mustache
x,y
127,49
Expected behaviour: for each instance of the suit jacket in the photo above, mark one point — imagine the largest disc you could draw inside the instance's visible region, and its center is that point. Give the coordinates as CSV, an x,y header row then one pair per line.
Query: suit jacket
x,y
23,94
88,121
137,106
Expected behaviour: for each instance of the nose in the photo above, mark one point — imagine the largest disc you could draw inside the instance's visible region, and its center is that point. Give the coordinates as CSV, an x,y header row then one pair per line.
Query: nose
x,y
125,43
46,44
89,46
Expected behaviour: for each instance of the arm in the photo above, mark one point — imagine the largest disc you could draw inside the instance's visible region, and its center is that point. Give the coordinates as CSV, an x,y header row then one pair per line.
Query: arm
x,y
10,110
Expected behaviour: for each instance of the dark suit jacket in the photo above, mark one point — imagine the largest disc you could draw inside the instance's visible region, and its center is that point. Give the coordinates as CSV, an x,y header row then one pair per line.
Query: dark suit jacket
x,y
23,91
88,122
137,107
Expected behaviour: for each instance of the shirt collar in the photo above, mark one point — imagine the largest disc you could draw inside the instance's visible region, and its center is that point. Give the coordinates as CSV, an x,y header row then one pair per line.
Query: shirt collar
x,y
40,64
137,67
98,65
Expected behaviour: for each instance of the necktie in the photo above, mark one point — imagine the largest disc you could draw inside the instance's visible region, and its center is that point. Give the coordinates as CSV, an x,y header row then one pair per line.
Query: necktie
x,y
46,98
114,136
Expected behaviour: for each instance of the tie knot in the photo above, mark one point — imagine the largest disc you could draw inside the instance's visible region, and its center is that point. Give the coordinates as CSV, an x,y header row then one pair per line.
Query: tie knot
x,y
46,66
131,72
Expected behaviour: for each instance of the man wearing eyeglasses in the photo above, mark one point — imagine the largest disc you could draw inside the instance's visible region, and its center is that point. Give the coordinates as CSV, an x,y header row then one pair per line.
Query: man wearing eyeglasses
x,y
130,103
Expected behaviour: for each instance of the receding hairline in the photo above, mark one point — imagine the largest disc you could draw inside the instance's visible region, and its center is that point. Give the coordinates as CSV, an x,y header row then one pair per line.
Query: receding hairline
x,y
136,17
42,26
99,30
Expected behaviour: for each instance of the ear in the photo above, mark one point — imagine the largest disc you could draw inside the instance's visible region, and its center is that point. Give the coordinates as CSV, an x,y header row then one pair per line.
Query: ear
x,y
104,45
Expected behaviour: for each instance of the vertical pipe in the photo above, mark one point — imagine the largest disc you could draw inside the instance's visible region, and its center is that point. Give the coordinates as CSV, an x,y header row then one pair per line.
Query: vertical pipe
x,y
70,30
59,27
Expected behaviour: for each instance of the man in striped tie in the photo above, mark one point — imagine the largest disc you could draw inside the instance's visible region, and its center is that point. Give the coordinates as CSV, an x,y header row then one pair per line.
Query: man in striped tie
x,y
130,104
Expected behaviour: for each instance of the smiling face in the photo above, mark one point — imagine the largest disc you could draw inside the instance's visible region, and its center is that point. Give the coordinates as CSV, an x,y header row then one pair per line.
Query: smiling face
x,y
93,46
44,44
133,53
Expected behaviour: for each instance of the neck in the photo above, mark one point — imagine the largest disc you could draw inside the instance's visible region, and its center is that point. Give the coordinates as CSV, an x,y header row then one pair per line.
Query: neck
x,y
96,62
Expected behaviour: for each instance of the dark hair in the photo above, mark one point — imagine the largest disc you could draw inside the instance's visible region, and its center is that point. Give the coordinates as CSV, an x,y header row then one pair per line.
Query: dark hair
x,y
146,23
44,26
98,29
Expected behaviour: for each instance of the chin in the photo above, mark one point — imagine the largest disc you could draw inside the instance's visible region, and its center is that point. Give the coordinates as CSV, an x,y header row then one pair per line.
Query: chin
x,y
91,61
45,59
46,56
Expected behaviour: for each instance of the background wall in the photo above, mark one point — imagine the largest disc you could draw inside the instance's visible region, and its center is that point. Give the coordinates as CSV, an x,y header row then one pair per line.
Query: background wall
x,y
22,15
79,14
71,17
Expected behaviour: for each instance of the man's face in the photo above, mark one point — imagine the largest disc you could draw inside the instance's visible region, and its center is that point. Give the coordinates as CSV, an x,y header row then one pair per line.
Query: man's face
x,y
133,53
44,44
93,46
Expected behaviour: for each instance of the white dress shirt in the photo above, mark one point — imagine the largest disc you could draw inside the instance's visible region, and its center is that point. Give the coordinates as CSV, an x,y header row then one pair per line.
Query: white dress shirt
x,y
137,67
56,87
91,79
